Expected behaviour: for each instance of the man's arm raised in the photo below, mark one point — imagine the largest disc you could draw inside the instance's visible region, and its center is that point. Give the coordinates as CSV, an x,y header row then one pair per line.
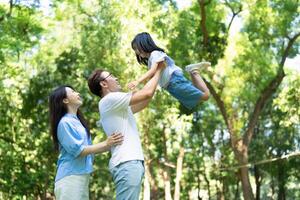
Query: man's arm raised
x,y
140,99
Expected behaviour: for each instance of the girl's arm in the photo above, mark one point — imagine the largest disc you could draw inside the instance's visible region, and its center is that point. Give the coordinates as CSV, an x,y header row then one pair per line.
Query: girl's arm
x,y
149,74
140,99
114,139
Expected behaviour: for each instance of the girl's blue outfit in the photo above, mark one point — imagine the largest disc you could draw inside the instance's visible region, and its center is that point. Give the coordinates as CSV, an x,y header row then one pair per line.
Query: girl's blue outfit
x,y
174,82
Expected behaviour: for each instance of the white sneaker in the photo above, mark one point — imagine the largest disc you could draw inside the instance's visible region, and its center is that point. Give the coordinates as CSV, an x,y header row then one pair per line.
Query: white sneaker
x,y
197,66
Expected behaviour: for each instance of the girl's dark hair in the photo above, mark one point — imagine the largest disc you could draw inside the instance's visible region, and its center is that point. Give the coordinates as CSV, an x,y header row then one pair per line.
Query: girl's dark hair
x,y
57,109
144,43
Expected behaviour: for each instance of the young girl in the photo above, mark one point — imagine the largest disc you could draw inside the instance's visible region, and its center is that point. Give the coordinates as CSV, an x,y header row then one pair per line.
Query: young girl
x,y
71,137
172,79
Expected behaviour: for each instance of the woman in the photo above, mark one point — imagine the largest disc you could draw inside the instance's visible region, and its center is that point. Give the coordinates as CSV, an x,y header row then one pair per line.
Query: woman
x,y
72,139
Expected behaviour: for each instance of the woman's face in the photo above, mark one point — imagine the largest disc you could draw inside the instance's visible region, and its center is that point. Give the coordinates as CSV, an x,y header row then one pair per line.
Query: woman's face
x,y
73,97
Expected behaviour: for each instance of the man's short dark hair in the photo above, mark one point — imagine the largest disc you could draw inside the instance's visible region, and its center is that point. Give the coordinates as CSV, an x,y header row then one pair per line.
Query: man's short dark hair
x,y
94,82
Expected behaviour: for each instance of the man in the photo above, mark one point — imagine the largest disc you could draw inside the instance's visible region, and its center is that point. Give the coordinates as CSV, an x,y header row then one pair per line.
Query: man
x,y
116,111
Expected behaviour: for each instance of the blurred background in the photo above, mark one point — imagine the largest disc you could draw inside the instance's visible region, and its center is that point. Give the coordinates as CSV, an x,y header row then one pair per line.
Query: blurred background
x,y
241,144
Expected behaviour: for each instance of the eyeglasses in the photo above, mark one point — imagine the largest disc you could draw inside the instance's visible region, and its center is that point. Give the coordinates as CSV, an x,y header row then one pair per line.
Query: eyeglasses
x,y
106,77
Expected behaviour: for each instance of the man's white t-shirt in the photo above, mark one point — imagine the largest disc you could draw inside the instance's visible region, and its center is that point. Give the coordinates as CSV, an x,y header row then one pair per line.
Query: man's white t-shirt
x,y
116,116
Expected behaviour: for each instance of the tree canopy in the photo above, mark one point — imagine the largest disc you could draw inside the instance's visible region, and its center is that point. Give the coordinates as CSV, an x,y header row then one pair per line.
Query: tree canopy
x,y
214,153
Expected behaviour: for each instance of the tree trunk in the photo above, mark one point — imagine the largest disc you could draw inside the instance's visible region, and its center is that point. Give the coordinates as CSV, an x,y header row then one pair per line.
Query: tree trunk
x,y
207,183
150,186
198,181
258,180
146,185
281,181
220,189
203,22
220,194
272,187
246,186
153,185
241,154
178,174
236,196
165,170
167,184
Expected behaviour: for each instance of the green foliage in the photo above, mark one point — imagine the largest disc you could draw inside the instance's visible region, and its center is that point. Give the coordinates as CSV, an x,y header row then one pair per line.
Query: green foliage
x,y
40,51
19,31
277,134
187,42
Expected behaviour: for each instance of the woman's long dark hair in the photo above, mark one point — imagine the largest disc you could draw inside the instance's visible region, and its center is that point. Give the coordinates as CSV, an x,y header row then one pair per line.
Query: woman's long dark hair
x,y
144,43
57,109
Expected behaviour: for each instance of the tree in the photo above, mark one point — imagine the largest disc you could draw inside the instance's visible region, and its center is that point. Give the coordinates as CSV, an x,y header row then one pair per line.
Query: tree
x,y
258,67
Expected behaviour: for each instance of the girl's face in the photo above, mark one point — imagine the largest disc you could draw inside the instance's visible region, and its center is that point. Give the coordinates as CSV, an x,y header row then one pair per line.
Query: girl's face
x,y
73,98
141,53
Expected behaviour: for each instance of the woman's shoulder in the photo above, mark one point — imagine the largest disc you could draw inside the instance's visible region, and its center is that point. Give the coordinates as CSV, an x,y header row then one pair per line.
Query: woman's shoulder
x,y
67,120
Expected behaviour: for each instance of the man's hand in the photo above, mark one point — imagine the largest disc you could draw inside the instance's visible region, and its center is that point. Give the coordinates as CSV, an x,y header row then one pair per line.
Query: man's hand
x,y
161,66
132,85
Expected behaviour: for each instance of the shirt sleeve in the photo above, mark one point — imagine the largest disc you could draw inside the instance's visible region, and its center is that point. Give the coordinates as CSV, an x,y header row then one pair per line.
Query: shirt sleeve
x,y
70,139
157,56
118,100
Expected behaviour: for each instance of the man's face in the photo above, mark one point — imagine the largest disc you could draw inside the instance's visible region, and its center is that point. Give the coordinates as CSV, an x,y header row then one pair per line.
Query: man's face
x,y
111,81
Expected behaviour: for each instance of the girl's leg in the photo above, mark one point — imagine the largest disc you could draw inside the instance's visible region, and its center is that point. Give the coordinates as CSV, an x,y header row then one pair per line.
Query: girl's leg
x,y
198,82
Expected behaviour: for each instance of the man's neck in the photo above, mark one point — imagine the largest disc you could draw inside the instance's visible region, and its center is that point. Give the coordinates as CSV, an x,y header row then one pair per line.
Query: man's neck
x,y
106,92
